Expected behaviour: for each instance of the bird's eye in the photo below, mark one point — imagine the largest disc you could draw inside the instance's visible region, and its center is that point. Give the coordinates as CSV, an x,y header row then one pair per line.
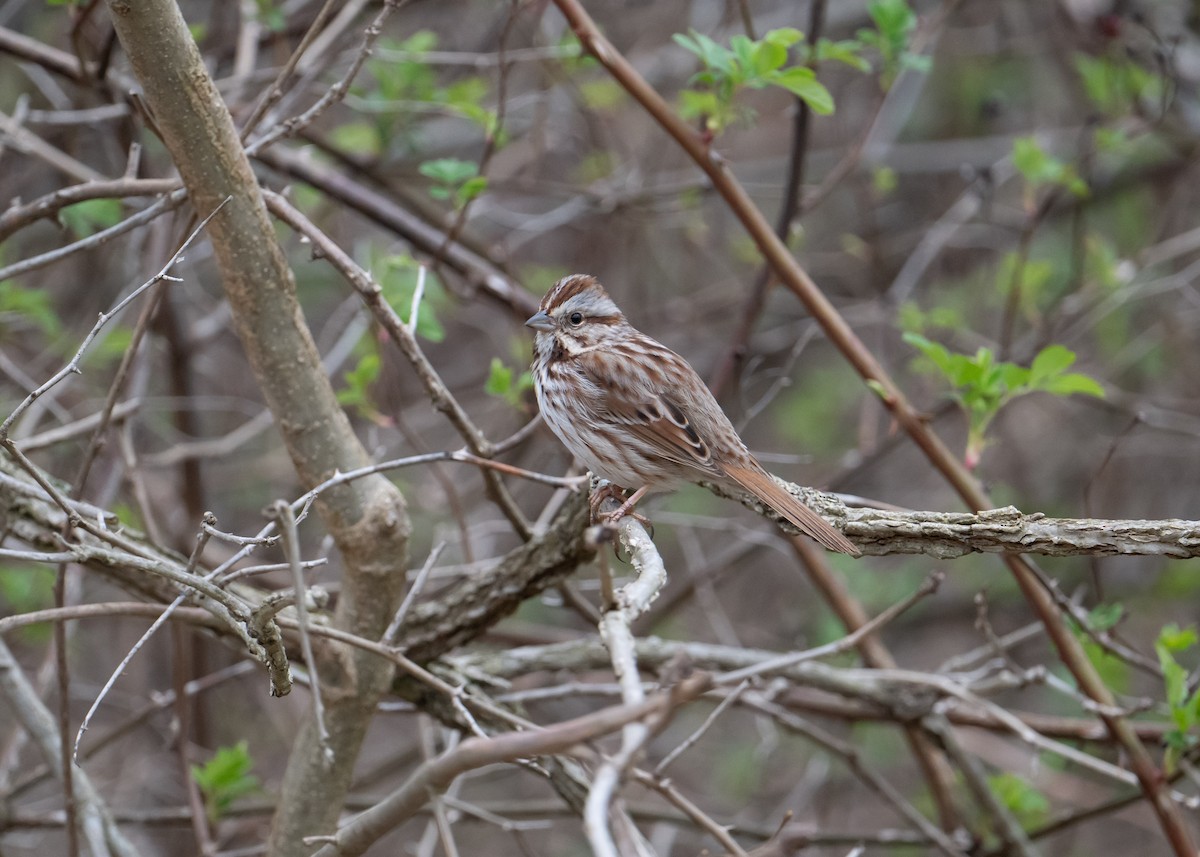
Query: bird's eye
x,y
576,318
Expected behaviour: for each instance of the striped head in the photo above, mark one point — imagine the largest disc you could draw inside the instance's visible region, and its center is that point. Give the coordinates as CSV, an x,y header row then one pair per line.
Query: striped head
x,y
577,316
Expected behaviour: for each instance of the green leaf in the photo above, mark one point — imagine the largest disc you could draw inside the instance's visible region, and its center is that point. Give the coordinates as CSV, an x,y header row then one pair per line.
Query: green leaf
x,y
744,49
848,51
877,388
454,178
499,380
695,105
270,15
1104,617
939,354
1066,385
687,43
1040,168
90,216
224,778
746,64
1030,159
893,18
1172,638
397,276
470,189
784,37
356,393
1029,805
21,306
358,138
883,179
982,385
802,82
1116,84
1051,360
766,58
450,171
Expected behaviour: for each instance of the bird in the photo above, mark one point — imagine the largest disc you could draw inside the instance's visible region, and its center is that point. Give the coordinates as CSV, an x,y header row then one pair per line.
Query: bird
x,y
637,414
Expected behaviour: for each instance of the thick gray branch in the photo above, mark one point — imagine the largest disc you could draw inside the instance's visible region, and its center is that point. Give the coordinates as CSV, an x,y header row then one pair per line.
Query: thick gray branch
x,y
946,535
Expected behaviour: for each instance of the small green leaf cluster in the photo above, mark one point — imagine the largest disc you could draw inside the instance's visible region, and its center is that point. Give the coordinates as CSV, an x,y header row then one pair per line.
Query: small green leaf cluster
x,y
1041,170
357,392
21,307
414,79
1184,705
982,385
1115,85
1112,669
90,216
760,63
397,276
1029,806
891,38
504,382
270,15
454,179
402,83
224,778
746,64
24,589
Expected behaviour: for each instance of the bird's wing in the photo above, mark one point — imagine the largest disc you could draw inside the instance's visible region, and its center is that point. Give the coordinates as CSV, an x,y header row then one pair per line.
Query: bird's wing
x,y
657,419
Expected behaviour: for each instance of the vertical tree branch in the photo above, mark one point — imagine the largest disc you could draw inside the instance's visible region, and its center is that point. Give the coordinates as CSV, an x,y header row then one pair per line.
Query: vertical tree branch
x,y
367,518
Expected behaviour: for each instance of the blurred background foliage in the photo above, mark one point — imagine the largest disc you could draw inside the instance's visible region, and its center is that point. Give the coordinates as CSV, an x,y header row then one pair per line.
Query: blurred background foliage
x,y
1000,196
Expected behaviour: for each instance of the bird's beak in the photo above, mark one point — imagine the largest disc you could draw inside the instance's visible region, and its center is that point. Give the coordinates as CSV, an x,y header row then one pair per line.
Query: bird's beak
x,y
541,321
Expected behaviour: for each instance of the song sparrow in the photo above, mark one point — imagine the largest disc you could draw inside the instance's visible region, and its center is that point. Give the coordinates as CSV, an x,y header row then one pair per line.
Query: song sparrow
x,y
636,413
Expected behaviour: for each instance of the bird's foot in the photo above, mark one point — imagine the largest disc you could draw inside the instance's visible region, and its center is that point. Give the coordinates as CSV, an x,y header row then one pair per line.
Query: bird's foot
x,y
608,491
626,508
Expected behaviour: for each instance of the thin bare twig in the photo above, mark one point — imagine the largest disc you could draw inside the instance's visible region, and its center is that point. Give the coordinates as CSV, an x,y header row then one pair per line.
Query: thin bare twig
x,y
357,835
72,366
164,205
285,520
435,388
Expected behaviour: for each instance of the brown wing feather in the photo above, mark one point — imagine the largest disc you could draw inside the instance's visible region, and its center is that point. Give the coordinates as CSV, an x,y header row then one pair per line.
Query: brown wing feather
x,y
630,400
663,425
762,486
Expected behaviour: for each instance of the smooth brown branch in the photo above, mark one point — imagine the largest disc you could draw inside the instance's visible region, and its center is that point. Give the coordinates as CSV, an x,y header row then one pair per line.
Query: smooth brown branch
x,y
864,361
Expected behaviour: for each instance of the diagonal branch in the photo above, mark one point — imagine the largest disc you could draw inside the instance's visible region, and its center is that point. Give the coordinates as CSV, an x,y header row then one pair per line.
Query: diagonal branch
x,y
795,278
437,774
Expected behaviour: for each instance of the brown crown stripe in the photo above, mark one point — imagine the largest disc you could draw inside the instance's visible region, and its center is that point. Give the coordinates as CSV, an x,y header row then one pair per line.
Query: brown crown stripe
x,y
567,288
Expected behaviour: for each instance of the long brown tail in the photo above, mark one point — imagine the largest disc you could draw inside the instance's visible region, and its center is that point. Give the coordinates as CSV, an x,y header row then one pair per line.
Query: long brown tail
x,y
759,483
